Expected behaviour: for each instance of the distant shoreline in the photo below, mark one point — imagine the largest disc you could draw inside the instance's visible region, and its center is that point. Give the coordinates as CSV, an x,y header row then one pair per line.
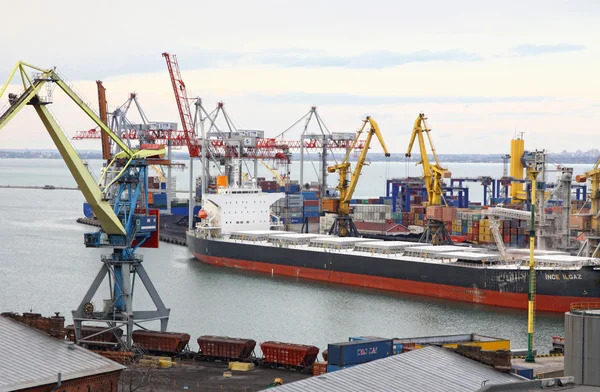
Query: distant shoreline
x,y
455,158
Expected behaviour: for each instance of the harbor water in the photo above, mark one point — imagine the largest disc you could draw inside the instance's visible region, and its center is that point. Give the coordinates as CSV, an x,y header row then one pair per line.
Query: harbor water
x,y
45,268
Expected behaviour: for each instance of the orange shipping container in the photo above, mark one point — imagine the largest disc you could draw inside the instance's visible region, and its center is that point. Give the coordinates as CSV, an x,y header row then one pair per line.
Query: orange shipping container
x,y
580,221
150,198
331,205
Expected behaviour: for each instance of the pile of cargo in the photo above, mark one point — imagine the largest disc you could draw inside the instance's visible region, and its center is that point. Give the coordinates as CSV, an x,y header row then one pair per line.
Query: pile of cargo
x,y
272,186
297,206
471,225
376,213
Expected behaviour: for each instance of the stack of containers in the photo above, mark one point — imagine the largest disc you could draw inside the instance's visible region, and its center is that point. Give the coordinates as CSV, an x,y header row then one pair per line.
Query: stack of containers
x,y
477,230
311,206
442,213
377,213
348,354
291,206
325,222
419,217
268,186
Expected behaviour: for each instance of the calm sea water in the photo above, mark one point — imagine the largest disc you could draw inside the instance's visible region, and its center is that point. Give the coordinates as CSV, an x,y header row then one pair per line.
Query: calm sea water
x,y
44,267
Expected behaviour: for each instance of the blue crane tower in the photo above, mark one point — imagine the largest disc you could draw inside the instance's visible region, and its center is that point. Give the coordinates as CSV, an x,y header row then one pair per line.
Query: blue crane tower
x,y
120,205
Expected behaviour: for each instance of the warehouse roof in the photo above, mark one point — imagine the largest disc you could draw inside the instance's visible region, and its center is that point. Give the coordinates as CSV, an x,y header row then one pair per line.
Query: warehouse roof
x,y
32,358
427,369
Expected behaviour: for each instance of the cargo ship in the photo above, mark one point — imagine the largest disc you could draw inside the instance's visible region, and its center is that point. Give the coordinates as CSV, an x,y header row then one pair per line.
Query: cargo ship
x,y
237,230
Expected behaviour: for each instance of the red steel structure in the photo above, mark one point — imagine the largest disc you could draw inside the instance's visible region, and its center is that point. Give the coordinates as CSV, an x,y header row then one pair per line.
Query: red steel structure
x,y
181,98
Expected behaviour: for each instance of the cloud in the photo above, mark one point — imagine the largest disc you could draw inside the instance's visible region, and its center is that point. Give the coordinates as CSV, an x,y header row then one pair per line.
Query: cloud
x,y
536,50
139,61
370,60
350,99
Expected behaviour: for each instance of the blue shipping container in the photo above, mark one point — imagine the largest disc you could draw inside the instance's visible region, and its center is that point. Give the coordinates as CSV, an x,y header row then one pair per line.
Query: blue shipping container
x,y
351,353
180,211
363,338
523,371
398,348
333,368
87,211
197,210
311,214
160,198
309,195
163,185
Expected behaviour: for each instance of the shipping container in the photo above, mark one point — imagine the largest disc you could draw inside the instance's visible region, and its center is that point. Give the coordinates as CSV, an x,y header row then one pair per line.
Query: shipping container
x,y
319,368
289,354
160,342
350,353
522,371
226,348
333,368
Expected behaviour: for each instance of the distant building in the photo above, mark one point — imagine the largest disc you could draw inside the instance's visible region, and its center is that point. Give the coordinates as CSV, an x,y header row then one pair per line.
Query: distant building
x,y
34,361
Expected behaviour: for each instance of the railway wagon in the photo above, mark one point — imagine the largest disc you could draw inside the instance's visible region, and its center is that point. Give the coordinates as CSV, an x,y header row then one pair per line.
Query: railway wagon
x,y
225,348
289,355
158,342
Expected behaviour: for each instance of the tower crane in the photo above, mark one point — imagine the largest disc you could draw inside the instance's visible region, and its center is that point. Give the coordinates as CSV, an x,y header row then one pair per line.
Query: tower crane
x,y
432,173
121,207
343,225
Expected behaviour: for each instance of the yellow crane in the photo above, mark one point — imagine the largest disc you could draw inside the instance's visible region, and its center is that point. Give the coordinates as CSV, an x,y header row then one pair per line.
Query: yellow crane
x,y
432,173
594,177
280,179
343,225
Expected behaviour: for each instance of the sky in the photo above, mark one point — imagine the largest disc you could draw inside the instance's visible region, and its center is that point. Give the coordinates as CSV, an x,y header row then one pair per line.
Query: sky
x,y
480,71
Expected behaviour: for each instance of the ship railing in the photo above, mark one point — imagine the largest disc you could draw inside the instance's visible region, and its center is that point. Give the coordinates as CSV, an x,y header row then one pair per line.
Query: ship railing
x,y
584,306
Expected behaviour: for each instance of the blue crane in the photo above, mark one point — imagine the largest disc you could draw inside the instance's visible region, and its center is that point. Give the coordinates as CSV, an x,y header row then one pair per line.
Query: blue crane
x,y
120,205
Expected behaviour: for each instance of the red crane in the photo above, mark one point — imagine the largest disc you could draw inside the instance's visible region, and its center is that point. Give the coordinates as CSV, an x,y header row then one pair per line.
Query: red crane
x,y
182,105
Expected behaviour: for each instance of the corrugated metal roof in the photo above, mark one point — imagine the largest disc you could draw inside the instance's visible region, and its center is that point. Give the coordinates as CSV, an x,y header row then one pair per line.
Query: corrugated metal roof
x,y
31,358
428,369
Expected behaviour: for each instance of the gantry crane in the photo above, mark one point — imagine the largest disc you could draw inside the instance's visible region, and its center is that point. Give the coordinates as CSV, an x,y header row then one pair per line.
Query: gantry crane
x,y
121,207
432,173
343,225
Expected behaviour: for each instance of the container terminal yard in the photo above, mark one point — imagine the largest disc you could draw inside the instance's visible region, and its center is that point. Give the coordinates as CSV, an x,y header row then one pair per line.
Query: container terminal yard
x,y
530,244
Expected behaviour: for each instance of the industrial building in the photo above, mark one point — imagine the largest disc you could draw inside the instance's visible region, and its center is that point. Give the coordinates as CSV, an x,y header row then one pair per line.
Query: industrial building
x,y
426,369
34,361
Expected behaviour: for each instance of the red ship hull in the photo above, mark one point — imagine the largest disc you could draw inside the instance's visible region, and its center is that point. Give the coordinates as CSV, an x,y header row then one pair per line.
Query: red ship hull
x,y
549,303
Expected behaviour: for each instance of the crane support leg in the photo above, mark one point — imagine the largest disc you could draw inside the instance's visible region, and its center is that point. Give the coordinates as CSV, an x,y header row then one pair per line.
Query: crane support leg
x,y
125,315
85,181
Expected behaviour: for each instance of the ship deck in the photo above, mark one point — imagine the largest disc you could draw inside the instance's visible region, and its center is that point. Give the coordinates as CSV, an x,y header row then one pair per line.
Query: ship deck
x,y
463,256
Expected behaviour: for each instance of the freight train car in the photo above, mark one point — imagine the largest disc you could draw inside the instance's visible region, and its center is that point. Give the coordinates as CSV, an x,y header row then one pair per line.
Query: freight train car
x,y
101,340
157,342
289,355
225,349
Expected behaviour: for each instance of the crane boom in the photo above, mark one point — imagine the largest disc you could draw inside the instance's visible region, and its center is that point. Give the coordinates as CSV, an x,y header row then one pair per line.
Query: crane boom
x,y
108,219
102,106
181,98
495,214
432,173
279,177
